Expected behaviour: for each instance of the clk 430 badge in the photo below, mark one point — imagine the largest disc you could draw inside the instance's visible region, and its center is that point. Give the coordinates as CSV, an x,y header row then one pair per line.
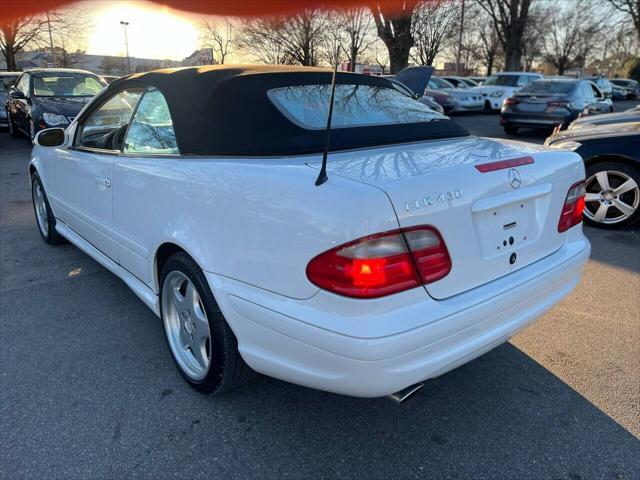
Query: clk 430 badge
x,y
425,202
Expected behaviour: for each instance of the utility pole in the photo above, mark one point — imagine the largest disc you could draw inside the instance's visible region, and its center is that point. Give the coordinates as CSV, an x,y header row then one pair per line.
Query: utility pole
x,y
126,44
460,40
53,52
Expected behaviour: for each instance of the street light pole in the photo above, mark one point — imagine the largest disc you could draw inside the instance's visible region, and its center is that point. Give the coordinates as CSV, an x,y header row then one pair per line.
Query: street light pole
x,y
126,44
53,52
460,40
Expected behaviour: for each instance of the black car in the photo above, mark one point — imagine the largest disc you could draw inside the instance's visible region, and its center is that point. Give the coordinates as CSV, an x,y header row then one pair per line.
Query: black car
x,y
44,98
548,103
630,115
612,160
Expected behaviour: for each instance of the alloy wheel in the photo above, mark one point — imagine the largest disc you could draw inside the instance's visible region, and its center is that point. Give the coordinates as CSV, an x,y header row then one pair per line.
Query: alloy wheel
x,y
186,325
40,208
612,197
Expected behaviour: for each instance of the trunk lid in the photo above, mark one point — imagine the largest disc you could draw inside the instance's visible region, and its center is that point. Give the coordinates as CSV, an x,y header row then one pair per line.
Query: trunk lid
x,y
535,103
484,218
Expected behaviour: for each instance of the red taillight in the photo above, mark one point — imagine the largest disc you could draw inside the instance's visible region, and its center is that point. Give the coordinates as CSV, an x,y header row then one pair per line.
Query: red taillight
x,y
509,101
573,207
502,164
382,264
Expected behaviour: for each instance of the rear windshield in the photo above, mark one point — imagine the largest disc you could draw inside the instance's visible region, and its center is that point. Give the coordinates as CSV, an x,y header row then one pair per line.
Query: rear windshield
x,y
6,81
66,85
503,80
550,87
354,106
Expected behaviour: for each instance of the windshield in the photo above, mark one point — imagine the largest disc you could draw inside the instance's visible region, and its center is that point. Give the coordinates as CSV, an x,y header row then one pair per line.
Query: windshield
x,y
354,106
438,83
66,85
6,81
549,87
502,80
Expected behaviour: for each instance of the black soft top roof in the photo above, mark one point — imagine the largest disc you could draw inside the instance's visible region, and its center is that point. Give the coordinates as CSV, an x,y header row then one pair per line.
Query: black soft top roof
x,y
225,110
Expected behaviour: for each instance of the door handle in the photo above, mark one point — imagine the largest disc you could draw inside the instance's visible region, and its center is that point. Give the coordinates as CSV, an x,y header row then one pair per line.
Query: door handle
x,y
103,182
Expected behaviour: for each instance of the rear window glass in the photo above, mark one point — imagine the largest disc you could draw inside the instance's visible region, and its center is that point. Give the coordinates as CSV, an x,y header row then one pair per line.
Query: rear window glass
x,y
549,87
354,106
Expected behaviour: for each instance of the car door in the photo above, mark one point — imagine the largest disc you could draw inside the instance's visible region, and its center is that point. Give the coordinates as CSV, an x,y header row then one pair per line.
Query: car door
x,y
141,174
82,192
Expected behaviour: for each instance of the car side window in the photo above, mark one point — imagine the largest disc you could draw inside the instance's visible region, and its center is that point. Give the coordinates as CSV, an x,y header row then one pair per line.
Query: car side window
x,y
151,130
587,93
22,85
106,126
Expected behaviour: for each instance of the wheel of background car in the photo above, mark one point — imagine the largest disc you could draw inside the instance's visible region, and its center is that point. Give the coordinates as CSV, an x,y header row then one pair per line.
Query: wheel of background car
x,y
510,130
613,195
13,131
203,347
44,216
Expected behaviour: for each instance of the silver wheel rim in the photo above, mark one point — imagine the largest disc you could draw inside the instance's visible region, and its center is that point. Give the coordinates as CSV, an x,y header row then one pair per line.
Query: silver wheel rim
x,y
612,197
186,325
41,208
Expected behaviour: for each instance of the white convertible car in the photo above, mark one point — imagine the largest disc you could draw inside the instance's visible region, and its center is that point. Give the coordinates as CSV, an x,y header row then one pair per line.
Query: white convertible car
x,y
425,248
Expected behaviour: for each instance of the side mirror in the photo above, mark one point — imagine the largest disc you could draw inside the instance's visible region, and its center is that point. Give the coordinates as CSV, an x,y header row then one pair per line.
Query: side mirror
x,y
51,137
16,94
417,96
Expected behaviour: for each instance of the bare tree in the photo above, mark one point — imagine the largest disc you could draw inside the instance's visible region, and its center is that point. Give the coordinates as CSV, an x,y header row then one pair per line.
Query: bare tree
x,y
16,35
509,18
630,7
394,29
356,26
216,37
63,33
433,25
296,39
262,38
570,34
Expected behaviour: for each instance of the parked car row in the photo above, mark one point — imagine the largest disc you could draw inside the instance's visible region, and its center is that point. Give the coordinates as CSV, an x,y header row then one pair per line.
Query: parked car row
x,y
42,98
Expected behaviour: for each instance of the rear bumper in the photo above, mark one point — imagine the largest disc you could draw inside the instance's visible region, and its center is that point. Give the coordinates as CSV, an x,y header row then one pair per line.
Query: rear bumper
x,y
375,354
536,120
468,106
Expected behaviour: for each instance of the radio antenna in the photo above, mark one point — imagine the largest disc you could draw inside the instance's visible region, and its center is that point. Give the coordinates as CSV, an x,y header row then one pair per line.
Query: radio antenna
x,y
322,176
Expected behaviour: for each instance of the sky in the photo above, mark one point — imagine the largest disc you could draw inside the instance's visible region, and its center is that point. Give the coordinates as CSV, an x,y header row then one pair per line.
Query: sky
x,y
154,31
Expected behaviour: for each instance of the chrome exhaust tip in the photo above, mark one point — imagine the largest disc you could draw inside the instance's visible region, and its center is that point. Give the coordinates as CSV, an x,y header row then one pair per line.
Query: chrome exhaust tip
x,y
406,393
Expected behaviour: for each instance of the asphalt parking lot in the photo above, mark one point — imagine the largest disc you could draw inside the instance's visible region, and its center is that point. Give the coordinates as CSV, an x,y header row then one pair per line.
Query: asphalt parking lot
x,y
88,388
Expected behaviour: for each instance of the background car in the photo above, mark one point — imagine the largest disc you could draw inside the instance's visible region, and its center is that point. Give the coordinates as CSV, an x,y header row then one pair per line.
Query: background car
x,y
464,99
497,88
620,93
7,79
461,82
549,103
603,84
631,115
478,80
632,86
612,160
43,98
424,99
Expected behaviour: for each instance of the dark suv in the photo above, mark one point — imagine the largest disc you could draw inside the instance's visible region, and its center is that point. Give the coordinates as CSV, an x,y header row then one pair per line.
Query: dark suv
x,y
44,98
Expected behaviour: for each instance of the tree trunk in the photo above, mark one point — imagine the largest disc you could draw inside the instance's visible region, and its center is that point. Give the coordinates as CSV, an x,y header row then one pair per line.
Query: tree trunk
x,y
10,57
513,55
398,56
490,65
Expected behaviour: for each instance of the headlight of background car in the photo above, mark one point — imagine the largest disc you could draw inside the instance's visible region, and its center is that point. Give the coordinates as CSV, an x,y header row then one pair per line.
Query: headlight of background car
x,y
54,119
497,93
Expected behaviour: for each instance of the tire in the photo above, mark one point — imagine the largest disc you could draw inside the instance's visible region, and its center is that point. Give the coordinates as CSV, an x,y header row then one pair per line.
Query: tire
x,y
510,130
45,220
603,201
209,365
13,130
